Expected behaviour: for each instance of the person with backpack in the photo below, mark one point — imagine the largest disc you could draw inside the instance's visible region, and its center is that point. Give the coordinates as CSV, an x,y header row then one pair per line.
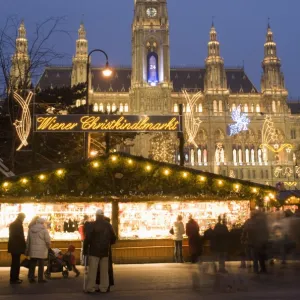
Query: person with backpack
x,y
97,243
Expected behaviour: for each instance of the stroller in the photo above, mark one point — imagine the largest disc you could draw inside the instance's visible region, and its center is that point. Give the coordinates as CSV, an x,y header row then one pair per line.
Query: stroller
x,y
57,264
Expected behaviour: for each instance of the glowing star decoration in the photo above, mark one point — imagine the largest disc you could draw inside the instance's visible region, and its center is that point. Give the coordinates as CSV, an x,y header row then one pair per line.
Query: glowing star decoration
x,y
192,124
270,139
241,121
23,126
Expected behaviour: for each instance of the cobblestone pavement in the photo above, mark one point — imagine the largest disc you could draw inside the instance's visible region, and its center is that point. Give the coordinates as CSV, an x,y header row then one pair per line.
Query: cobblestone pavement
x,y
166,281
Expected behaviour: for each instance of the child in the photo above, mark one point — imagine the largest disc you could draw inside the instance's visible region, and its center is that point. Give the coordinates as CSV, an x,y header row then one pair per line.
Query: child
x,y
69,258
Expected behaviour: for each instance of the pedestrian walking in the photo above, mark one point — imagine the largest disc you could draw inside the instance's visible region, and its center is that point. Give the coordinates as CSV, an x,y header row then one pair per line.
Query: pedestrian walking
x,y
221,235
16,247
178,229
38,244
97,243
192,231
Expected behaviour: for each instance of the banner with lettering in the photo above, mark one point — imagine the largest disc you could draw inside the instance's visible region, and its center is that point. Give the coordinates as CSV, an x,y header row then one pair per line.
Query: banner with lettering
x,y
106,123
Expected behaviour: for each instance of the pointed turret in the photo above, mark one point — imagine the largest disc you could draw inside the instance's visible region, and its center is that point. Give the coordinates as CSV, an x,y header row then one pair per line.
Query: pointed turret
x,y
20,61
272,78
215,77
80,58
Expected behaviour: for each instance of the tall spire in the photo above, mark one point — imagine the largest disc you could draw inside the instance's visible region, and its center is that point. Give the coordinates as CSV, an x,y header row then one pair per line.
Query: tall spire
x,y
80,58
20,60
272,78
215,78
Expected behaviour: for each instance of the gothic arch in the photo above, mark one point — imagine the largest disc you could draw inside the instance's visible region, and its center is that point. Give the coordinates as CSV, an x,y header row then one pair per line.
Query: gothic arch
x,y
219,135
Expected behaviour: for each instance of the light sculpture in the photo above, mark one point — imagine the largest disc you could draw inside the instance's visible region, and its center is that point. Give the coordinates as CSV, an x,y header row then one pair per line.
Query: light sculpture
x,y
23,126
241,121
192,123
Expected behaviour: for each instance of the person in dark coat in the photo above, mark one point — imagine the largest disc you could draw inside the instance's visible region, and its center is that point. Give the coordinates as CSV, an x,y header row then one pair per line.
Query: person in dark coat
x,y
97,243
221,235
192,231
16,247
110,267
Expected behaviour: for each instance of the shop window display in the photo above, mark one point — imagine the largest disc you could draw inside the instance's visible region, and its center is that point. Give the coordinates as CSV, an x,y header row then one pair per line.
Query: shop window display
x,y
153,220
62,219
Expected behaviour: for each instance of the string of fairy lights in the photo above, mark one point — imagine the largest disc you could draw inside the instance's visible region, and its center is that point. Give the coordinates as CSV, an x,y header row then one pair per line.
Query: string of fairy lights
x,y
166,171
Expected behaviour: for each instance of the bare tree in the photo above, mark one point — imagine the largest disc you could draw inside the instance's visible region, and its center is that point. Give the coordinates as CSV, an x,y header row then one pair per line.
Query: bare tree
x,y
40,52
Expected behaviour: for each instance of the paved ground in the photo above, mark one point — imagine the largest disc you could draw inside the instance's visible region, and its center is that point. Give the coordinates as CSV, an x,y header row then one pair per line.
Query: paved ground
x,y
167,281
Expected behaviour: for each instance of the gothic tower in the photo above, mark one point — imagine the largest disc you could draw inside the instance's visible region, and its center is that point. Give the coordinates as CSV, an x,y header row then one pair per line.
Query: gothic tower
x,y
150,81
272,81
215,84
20,76
80,58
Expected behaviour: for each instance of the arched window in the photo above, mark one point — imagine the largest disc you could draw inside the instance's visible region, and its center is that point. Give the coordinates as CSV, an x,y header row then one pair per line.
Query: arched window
x,y
205,157
176,108
233,107
183,107
188,108
265,155
96,107
192,157
273,106
199,154
220,106
101,107
114,107
222,155
247,154
108,107
215,106
252,108
234,156
259,156
240,156
257,108
200,108
126,108
152,68
246,108
121,107
252,156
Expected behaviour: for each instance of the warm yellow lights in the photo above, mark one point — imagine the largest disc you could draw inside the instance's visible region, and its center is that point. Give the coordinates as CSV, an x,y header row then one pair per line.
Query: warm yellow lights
x,y
5,184
202,178
220,182
185,175
130,161
93,153
24,180
271,196
254,190
148,168
42,177
167,172
107,72
237,186
60,172
114,158
95,164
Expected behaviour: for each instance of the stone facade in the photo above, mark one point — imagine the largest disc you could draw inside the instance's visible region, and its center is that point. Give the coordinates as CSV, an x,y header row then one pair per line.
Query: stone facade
x,y
151,86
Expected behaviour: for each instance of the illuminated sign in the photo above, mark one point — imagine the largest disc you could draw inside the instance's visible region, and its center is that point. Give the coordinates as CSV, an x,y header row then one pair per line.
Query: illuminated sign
x,y
241,121
106,123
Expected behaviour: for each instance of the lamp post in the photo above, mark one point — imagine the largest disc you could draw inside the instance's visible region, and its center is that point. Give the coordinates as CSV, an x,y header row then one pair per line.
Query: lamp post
x,y
106,73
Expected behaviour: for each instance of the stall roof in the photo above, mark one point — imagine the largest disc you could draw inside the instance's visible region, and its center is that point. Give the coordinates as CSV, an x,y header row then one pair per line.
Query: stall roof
x,y
282,196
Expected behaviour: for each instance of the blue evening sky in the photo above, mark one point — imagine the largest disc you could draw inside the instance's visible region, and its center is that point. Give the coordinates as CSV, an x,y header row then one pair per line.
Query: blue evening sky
x,y
241,25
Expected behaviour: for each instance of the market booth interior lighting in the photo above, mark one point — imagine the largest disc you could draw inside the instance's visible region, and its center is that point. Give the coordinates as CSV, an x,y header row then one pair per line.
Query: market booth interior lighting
x,y
93,153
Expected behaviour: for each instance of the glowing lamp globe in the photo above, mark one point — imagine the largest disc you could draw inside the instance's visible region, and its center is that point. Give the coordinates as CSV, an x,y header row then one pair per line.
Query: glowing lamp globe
x,y
107,72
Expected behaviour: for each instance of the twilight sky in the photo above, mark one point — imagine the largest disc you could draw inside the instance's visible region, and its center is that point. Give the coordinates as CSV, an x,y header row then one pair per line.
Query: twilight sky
x,y
241,25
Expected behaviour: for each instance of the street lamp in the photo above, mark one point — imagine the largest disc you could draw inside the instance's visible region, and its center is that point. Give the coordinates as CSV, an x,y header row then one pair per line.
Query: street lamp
x,y
107,72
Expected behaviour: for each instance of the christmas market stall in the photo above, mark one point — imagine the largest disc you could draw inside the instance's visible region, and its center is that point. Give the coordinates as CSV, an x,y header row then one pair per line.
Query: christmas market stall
x,y
142,197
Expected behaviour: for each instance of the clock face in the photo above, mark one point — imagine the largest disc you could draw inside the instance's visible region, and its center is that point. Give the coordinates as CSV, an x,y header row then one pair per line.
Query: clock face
x,y
151,12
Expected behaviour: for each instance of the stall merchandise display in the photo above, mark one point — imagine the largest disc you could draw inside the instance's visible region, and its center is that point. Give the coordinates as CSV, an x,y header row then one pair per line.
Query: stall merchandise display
x,y
62,219
153,220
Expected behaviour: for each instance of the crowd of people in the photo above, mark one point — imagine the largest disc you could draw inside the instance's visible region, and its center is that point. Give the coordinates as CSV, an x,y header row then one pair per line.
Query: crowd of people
x,y
263,237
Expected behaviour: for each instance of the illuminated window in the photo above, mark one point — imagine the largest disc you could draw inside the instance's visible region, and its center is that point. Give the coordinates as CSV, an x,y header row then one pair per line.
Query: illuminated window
x,y
101,107
188,108
199,154
240,156
220,106
200,108
108,107
183,107
95,107
114,107
252,156
215,106
233,107
152,67
176,108
273,106
247,155
121,107
126,108
259,156
234,156
252,107
257,108
246,108
205,157
192,157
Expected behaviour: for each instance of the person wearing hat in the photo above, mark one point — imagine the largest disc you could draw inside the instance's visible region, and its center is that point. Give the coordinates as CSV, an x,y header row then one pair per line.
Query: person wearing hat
x,y
16,247
98,240
38,244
